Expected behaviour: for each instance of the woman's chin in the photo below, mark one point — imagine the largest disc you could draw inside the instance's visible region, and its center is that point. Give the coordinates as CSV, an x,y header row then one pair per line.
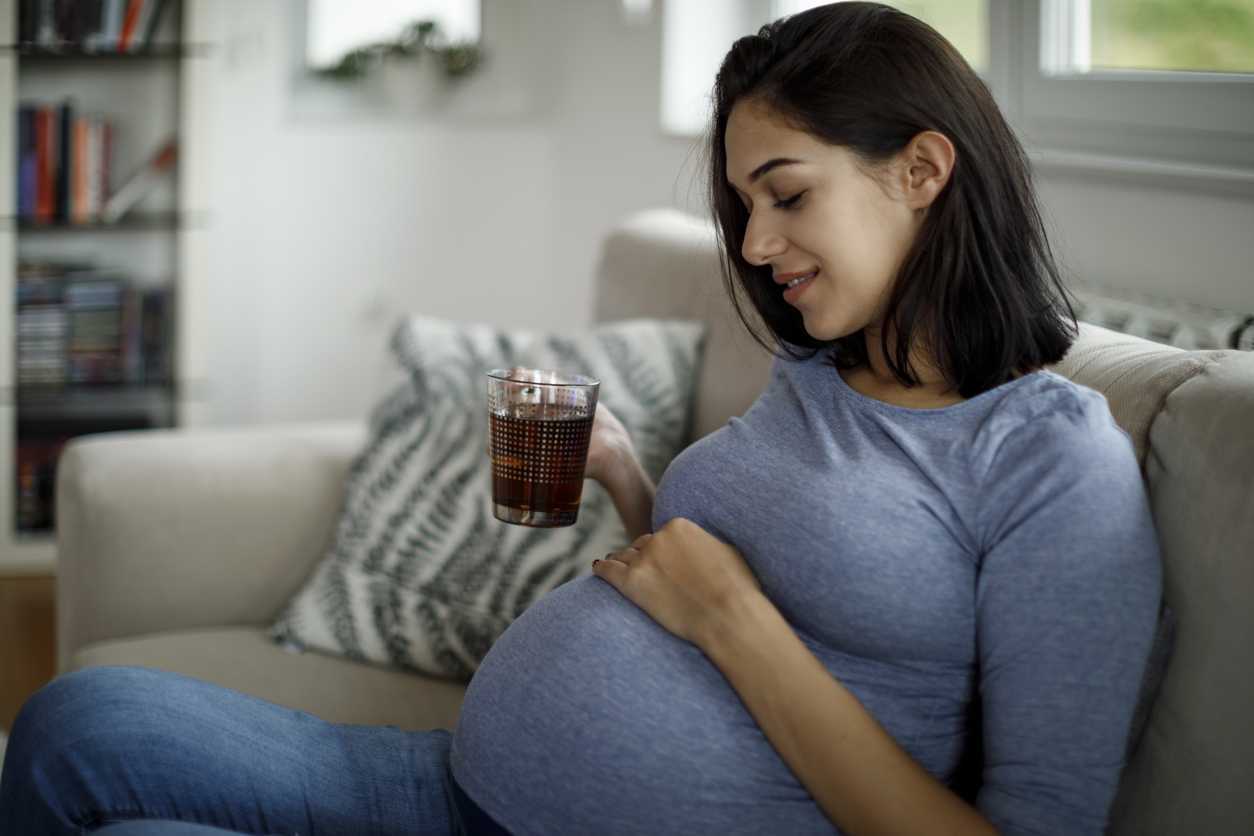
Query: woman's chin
x,y
825,331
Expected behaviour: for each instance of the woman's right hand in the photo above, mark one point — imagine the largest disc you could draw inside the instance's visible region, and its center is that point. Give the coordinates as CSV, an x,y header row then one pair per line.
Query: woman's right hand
x,y
610,448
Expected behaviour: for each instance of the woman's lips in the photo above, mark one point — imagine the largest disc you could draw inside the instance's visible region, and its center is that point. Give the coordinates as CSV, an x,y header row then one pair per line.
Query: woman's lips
x,y
792,294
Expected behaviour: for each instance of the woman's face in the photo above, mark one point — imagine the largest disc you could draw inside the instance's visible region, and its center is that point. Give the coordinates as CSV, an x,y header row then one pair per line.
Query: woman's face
x,y
811,208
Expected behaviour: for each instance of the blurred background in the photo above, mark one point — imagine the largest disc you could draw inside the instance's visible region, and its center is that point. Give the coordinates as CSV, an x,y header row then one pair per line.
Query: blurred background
x,y
215,210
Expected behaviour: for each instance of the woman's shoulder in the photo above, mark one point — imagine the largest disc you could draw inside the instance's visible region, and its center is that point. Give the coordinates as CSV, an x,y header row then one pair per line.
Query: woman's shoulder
x,y
1049,417
1060,459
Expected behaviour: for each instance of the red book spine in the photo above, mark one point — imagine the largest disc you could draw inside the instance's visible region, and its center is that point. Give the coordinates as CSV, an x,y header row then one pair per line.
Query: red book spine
x,y
129,24
43,164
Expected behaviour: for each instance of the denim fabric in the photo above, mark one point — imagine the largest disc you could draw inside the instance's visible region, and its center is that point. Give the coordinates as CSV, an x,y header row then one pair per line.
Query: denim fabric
x,y
110,744
159,827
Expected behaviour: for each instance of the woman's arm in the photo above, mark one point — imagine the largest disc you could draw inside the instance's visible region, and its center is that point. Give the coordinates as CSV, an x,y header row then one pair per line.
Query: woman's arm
x,y
632,491
860,777
612,462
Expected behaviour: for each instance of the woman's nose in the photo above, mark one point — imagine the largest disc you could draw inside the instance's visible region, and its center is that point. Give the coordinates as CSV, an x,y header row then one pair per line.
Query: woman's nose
x,y
761,242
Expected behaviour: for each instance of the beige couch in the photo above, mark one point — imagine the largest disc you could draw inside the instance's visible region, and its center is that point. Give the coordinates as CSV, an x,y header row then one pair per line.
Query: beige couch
x,y
177,548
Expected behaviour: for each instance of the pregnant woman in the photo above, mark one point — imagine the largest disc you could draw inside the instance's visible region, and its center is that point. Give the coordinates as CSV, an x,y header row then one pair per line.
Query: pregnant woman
x,y
911,590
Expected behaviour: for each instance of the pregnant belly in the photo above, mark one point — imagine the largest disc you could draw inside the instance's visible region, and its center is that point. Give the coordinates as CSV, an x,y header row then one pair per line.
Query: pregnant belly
x,y
588,716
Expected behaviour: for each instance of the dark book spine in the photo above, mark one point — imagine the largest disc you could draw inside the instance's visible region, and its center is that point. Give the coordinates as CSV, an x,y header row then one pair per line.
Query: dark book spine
x,y
26,162
87,23
156,335
27,21
64,14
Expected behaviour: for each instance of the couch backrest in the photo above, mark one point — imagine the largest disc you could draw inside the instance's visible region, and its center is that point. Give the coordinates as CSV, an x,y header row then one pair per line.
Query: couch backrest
x,y
663,263
1190,415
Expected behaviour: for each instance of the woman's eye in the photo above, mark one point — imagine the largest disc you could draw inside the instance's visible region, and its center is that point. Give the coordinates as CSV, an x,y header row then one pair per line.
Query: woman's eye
x,y
788,202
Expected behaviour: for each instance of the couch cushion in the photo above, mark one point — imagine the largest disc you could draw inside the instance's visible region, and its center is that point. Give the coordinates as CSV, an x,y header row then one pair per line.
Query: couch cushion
x,y
244,658
1134,374
1194,769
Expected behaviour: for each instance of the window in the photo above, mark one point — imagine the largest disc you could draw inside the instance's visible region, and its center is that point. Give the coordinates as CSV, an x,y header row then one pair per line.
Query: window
x,y
1216,36
1102,83
963,22
1145,79
696,34
335,28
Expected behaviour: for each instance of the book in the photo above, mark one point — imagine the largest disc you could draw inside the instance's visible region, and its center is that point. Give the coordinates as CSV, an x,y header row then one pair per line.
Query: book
x,y
93,197
132,335
79,210
130,20
111,24
156,344
140,183
65,150
46,24
80,324
44,164
103,171
27,173
63,172
64,21
27,21
89,24
41,327
154,20
93,306
36,474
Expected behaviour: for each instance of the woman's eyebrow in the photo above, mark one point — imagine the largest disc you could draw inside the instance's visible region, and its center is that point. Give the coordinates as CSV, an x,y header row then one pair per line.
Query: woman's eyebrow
x,y
776,162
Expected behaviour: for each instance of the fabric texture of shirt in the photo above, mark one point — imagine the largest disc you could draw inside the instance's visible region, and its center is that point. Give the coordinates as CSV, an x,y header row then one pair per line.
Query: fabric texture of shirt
x,y
996,553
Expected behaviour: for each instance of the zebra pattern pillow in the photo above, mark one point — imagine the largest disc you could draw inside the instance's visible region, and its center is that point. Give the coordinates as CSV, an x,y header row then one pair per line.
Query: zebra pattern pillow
x,y
420,575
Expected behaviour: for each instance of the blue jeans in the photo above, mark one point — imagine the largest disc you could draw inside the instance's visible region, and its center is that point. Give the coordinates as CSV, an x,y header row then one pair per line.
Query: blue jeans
x,y
111,744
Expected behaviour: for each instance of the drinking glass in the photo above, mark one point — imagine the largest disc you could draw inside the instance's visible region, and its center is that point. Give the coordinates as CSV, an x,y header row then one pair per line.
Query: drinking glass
x,y
540,422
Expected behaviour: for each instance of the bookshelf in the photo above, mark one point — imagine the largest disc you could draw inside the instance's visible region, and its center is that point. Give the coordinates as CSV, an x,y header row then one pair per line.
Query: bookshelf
x,y
114,293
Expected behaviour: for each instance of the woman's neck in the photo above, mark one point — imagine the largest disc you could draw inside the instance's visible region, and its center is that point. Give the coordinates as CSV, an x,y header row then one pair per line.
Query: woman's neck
x,y
875,380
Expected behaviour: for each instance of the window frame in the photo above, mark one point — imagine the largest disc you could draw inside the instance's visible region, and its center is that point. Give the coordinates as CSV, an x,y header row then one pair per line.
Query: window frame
x,y
1190,119
1180,130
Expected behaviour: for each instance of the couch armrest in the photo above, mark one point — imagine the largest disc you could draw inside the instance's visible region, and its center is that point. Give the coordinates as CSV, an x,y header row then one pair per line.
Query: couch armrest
x,y
184,529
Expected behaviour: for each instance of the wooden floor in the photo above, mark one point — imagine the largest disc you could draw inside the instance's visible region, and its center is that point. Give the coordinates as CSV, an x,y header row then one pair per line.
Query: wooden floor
x,y
27,639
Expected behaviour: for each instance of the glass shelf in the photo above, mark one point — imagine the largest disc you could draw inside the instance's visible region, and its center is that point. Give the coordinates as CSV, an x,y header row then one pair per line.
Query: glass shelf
x,y
86,401
137,222
35,536
74,53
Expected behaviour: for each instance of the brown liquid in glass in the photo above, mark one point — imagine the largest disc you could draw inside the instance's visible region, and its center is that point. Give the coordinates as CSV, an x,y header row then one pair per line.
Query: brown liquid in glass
x,y
538,464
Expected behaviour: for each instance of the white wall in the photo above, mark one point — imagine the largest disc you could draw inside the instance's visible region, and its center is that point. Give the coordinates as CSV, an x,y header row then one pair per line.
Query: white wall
x,y
323,230
1178,243
326,229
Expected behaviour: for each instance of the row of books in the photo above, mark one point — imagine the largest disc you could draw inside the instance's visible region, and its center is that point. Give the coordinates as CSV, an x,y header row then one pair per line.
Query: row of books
x,y
92,25
80,325
36,491
63,168
65,171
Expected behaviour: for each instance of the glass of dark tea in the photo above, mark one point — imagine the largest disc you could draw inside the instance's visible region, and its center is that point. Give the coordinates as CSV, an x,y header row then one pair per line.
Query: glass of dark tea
x,y
539,425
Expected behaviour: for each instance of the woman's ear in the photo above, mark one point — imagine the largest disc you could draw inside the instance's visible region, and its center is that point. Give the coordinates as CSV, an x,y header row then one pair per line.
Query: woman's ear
x,y
925,165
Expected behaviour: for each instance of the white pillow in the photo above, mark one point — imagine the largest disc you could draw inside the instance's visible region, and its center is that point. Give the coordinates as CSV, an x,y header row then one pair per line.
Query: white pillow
x,y
420,574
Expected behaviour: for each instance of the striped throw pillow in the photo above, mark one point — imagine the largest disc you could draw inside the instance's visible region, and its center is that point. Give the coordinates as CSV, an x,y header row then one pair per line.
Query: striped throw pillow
x,y
420,575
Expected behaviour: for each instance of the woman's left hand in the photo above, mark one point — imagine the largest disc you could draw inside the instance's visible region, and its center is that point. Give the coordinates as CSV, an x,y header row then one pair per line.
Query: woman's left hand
x,y
689,581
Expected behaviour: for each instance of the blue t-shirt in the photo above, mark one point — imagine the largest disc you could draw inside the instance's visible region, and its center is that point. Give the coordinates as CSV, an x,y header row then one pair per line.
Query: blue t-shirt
x,y
999,550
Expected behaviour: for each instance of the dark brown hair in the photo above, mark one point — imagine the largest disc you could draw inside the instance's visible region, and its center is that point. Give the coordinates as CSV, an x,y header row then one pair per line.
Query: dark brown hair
x,y
979,286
